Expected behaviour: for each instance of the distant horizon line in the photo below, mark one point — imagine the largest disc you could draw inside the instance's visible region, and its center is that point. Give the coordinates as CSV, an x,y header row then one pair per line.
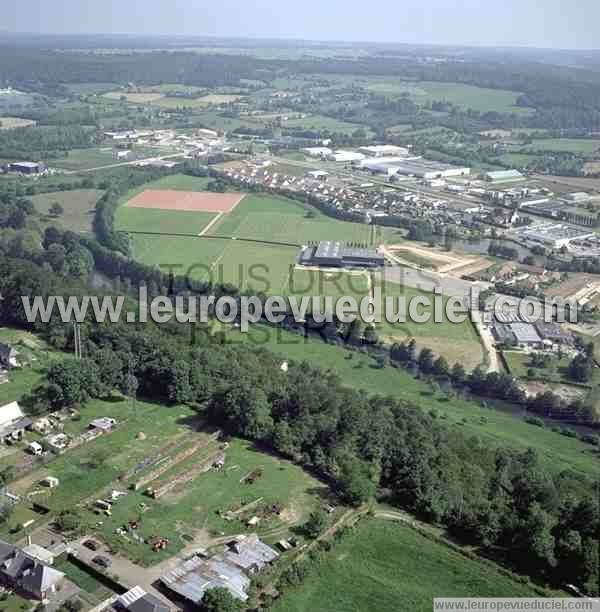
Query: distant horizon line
x,y
317,41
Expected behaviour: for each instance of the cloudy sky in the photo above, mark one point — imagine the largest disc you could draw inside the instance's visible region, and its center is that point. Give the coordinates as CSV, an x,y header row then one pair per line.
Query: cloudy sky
x,y
563,24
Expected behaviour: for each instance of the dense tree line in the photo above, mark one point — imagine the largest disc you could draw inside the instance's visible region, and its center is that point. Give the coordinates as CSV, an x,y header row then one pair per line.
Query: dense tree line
x,y
44,142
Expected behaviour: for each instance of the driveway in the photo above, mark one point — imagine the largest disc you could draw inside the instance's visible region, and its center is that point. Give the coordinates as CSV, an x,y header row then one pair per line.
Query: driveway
x,y
129,574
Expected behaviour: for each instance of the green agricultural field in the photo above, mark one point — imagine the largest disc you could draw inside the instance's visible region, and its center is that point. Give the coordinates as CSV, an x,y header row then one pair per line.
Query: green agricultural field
x,y
264,217
319,122
386,566
164,221
86,89
83,159
200,103
466,96
78,205
190,256
498,424
86,159
456,342
584,146
134,97
261,267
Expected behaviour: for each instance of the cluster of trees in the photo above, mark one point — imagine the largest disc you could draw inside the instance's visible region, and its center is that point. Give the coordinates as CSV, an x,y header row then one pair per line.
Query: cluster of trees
x,y
44,142
501,250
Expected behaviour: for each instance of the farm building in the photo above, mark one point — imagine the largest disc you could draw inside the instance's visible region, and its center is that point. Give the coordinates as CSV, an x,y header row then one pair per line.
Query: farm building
x,y
335,254
228,569
192,578
503,176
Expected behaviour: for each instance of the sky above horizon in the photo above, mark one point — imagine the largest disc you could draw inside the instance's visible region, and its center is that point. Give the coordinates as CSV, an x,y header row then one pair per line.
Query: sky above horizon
x,y
561,24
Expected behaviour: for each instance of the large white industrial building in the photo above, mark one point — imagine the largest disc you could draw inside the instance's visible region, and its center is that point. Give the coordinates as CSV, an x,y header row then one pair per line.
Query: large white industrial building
x,y
413,166
317,151
345,156
383,150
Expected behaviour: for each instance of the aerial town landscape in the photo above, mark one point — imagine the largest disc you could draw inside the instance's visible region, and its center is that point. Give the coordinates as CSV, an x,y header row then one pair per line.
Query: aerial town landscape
x,y
310,463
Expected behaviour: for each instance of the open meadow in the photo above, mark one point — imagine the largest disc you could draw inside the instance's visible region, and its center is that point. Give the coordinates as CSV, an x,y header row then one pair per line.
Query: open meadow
x,y
385,566
78,205
495,423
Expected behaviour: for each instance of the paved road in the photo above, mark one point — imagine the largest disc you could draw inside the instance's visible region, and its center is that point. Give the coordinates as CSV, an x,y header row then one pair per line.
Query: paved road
x,y
118,165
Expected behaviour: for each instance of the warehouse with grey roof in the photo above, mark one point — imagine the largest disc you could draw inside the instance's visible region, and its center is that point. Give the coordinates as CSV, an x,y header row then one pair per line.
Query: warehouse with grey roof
x,y
334,254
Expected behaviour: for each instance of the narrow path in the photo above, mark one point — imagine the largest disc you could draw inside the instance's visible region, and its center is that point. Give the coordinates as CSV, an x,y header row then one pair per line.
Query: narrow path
x,y
212,222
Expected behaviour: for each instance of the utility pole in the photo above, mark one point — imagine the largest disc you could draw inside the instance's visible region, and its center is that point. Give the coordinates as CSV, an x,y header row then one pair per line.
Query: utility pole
x,y
77,339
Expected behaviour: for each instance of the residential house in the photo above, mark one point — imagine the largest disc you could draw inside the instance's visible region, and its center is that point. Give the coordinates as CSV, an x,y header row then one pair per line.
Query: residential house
x,y
8,356
24,573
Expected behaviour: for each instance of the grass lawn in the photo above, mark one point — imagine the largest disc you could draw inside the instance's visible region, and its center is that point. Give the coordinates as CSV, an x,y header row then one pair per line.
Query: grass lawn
x,y
22,380
386,566
498,424
455,341
75,574
78,205
14,603
165,221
